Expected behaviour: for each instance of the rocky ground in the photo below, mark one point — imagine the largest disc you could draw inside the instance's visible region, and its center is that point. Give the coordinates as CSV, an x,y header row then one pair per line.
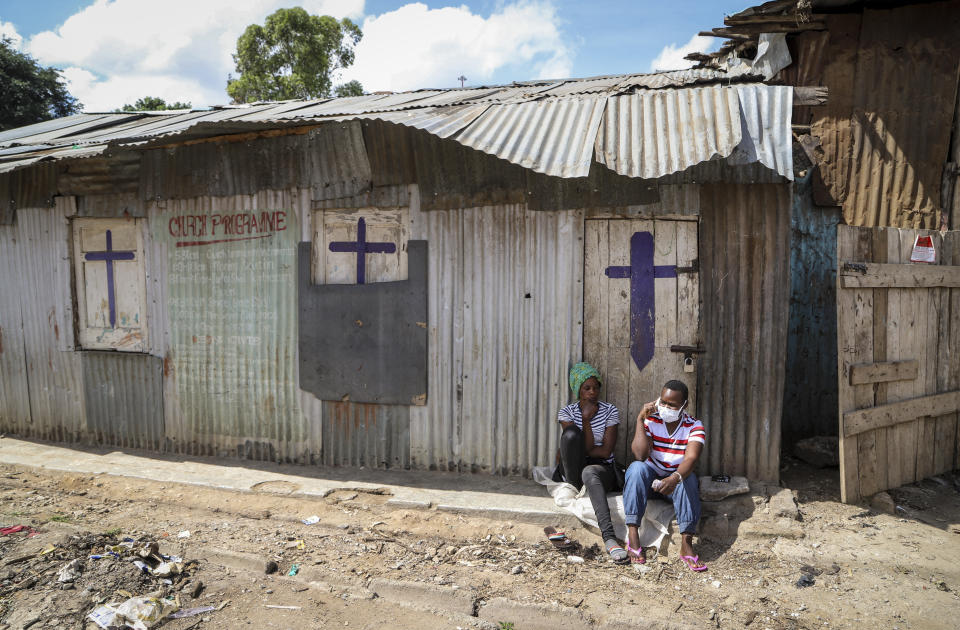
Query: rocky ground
x,y
791,557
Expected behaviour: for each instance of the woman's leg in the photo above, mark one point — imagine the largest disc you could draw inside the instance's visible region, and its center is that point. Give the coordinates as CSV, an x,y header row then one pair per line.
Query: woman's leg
x,y
599,479
573,455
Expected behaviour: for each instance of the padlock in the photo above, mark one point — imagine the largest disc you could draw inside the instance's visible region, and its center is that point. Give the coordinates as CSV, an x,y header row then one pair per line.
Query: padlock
x,y
688,365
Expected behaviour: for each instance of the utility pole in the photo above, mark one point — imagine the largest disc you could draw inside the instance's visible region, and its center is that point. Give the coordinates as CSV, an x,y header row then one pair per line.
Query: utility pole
x,y
461,79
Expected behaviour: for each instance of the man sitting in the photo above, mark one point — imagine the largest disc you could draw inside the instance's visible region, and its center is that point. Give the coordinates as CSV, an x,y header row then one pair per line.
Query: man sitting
x,y
667,443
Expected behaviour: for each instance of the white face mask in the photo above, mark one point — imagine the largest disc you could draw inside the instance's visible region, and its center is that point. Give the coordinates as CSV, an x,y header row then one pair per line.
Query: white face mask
x,y
667,414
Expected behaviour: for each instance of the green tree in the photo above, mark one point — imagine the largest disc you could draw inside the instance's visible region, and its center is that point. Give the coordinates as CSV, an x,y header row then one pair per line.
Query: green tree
x,y
350,88
153,104
30,92
293,55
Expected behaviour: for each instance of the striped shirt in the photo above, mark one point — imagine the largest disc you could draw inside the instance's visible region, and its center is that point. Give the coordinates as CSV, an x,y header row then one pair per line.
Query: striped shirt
x,y
606,416
668,450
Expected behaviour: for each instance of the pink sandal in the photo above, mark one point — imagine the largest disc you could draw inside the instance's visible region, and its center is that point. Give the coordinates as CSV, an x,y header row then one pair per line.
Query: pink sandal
x,y
636,555
692,562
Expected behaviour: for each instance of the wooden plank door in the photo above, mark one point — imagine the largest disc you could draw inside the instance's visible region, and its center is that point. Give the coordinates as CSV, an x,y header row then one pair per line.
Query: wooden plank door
x,y
898,341
641,296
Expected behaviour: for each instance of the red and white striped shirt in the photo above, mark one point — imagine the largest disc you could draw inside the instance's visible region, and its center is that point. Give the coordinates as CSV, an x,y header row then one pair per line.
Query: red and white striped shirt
x,y
668,450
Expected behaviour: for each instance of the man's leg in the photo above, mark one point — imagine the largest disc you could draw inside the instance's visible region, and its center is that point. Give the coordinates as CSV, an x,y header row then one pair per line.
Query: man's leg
x,y
636,490
573,455
686,503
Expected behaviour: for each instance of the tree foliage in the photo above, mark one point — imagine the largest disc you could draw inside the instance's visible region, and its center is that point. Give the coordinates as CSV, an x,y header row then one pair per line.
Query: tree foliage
x,y
30,93
293,55
153,104
350,88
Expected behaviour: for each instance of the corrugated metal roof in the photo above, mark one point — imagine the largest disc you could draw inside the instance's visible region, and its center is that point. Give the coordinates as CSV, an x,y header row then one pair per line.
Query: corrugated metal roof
x,y
548,126
656,132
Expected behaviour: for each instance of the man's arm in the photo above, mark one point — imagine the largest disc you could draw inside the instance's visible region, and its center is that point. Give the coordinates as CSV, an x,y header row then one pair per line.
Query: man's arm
x,y
684,469
642,443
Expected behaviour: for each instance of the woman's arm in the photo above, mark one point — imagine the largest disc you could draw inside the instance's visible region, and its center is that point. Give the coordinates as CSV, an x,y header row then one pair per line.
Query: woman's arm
x,y
642,443
604,450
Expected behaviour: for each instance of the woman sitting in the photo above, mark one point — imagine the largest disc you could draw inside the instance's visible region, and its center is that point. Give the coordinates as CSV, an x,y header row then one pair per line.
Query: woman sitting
x,y
586,456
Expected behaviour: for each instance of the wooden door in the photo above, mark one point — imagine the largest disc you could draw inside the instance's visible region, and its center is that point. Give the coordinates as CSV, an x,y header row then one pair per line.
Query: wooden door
x,y
898,340
641,296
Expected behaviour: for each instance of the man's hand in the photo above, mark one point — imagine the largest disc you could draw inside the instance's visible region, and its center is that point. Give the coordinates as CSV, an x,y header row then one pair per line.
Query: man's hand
x,y
669,484
647,411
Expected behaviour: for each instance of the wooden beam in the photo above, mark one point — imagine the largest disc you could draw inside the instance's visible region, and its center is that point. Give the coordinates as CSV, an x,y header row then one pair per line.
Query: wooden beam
x,y
733,20
855,422
884,372
751,31
815,95
905,275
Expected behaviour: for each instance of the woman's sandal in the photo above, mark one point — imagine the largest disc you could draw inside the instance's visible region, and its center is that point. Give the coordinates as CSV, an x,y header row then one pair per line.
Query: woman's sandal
x,y
636,555
618,554
558,539
692,562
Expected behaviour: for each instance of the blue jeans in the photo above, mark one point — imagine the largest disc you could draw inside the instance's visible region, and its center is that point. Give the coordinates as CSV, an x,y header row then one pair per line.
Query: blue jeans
x,y
636,491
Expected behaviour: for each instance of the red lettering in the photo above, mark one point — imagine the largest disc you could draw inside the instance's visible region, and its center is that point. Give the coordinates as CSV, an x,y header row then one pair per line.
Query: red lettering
x,y
175,221
281,218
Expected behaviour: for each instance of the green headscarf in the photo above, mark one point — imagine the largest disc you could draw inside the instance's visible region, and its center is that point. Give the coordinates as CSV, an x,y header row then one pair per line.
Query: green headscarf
x,y
581,372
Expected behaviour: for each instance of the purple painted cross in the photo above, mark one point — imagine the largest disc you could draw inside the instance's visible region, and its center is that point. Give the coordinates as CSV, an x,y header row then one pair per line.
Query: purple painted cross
x,y
642,273
362,248
110,257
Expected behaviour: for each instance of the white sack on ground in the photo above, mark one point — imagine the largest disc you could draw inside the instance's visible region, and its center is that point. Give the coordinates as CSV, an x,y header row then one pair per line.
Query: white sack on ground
x,y
653,527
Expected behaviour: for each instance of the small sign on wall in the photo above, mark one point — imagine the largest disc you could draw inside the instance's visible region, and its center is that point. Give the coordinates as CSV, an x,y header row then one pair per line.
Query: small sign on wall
x,y
111,284
923,250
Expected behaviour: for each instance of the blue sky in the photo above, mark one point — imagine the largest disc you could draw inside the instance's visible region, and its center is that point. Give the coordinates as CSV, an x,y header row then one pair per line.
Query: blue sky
x,y
114,51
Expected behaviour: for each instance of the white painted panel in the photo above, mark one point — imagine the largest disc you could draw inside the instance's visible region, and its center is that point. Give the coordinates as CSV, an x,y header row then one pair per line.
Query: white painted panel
x,y
111,283
338,229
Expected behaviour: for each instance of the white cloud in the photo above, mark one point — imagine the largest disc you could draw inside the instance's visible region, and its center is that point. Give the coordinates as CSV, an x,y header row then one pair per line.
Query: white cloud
x,y
672,56
9,31
180,50
417,47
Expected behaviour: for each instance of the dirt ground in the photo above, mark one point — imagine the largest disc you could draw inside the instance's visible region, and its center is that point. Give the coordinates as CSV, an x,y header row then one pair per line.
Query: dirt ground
x,y
824,565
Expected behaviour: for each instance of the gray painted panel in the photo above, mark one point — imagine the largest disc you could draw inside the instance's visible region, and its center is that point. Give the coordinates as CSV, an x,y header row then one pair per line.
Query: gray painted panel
x,y
123,395
365,343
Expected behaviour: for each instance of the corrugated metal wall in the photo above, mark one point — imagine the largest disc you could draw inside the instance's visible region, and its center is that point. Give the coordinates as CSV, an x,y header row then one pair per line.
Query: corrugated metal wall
x,y
505,308
810,384
885,131
35,280
123,397
505,317
745,287
226,396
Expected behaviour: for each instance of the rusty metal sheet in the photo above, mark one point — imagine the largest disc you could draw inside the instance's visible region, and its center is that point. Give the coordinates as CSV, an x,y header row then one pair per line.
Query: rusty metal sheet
x,y
884,132
358,434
